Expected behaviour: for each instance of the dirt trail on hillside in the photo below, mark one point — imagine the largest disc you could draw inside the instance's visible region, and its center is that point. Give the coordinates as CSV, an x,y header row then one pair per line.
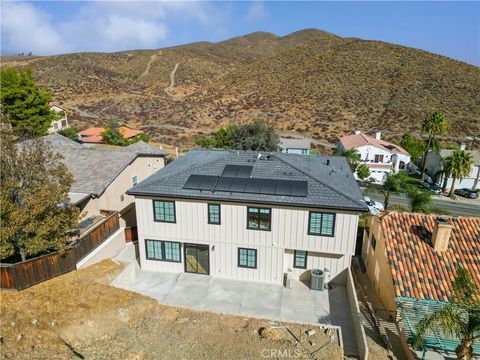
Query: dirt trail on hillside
x,y
172,84
153,57
79,313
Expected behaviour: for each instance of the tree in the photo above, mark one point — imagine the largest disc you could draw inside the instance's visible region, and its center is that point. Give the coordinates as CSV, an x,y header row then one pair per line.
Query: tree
x,y
419,200
352,156
460,317
394,183
71,133
221,139
25,105
363,171
35,213
112,135
435,124
414,147
458,165
142,137
257,136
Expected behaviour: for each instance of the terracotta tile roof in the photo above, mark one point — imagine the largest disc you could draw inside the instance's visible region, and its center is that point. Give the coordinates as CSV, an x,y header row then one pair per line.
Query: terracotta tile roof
x,y
417,270
91,131
92,139
358,140
92,135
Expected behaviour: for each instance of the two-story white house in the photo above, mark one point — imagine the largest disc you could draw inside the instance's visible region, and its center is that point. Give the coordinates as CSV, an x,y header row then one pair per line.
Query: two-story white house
x,y
381,157
61,123
251,216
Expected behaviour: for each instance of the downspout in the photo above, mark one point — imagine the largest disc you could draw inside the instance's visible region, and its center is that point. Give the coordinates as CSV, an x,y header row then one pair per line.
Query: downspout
x,y
475,183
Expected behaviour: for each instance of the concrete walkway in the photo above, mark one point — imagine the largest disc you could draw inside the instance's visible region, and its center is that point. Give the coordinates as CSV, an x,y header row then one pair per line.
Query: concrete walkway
x,y
299,304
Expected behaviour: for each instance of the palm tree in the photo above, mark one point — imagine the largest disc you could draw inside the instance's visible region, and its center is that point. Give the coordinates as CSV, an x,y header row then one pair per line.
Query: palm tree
x,y
352,156
393,184
459,165
435,124
419,200
460,317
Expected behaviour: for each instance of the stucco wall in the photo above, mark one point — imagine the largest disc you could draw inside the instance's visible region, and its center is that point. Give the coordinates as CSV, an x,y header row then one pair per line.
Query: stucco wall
x,y
378,270
357,324
115,197
289,231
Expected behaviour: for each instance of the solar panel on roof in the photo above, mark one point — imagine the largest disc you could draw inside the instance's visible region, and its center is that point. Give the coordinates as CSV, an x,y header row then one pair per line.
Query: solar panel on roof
x,y
224,183
239,171
238,185
253,186
200,182
284,187
299,188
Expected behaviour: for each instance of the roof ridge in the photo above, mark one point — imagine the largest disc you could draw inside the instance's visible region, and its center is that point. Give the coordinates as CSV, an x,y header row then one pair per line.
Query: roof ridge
x,y
319,181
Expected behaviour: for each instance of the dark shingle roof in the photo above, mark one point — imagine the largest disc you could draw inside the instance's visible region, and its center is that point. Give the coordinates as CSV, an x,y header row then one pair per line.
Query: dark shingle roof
x,y
93,169
328,186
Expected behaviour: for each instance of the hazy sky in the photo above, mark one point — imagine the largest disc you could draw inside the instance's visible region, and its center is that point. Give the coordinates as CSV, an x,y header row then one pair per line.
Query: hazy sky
x,y
53,27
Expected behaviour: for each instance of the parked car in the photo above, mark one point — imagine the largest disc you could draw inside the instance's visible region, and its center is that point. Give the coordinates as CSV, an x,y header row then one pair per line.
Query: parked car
x,y
433,187
374,206
467,193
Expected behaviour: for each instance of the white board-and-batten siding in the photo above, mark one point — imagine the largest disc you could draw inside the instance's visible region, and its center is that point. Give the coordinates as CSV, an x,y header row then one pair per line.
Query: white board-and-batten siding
x,y
289,230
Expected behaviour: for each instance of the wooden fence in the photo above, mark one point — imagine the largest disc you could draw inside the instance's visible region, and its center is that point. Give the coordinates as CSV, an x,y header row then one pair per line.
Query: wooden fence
x,y
33,271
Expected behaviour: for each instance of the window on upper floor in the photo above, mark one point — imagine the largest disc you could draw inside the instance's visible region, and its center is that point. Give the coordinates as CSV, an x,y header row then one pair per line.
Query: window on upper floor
x,y
373,242
259,218
164,211
247,258
321,223
162,250
134,180
379,158
300,259
214,214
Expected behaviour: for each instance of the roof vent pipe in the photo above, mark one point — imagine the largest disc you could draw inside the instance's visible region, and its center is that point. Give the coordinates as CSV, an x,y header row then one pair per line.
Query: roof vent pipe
x,y
442,230
328,162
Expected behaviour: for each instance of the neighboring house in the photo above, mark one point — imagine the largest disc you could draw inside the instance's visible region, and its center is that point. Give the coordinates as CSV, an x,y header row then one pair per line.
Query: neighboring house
x,y
435,169
249,216
411,260
103,176
295,146
61,123
381,157
93,135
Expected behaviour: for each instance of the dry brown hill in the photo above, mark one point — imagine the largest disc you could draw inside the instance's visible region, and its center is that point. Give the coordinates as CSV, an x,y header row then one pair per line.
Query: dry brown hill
x,y
310,82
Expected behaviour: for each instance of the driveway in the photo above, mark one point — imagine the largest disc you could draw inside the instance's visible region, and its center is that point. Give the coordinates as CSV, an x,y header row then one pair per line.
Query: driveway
x,y
298,304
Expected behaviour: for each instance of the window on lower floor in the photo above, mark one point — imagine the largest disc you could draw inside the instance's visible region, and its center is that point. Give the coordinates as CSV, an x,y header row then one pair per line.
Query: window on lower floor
x,y
300,259
162,250
379,158
247,258
164,211
259,218
321,223
214,214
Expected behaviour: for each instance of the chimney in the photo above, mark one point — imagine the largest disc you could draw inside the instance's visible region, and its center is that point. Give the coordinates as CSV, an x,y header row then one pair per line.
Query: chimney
x,y
462,146
441,234
357,132
378,135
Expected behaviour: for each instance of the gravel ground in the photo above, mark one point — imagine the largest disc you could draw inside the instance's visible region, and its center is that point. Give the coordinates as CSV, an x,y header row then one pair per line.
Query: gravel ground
x,y
79,314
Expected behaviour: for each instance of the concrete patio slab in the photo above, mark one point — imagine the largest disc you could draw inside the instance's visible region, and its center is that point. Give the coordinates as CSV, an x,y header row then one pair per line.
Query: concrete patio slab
x,y
299,304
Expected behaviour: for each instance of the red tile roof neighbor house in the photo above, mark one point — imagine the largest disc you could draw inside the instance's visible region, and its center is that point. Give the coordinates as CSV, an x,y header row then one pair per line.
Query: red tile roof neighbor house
x,y
93,134
357,140
424,252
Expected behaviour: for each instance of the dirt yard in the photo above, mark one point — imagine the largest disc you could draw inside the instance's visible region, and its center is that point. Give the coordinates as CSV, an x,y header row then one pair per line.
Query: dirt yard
x,y
79,314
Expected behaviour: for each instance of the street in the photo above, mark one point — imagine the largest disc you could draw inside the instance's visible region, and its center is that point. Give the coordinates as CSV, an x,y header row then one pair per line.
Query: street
x,y
455,208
